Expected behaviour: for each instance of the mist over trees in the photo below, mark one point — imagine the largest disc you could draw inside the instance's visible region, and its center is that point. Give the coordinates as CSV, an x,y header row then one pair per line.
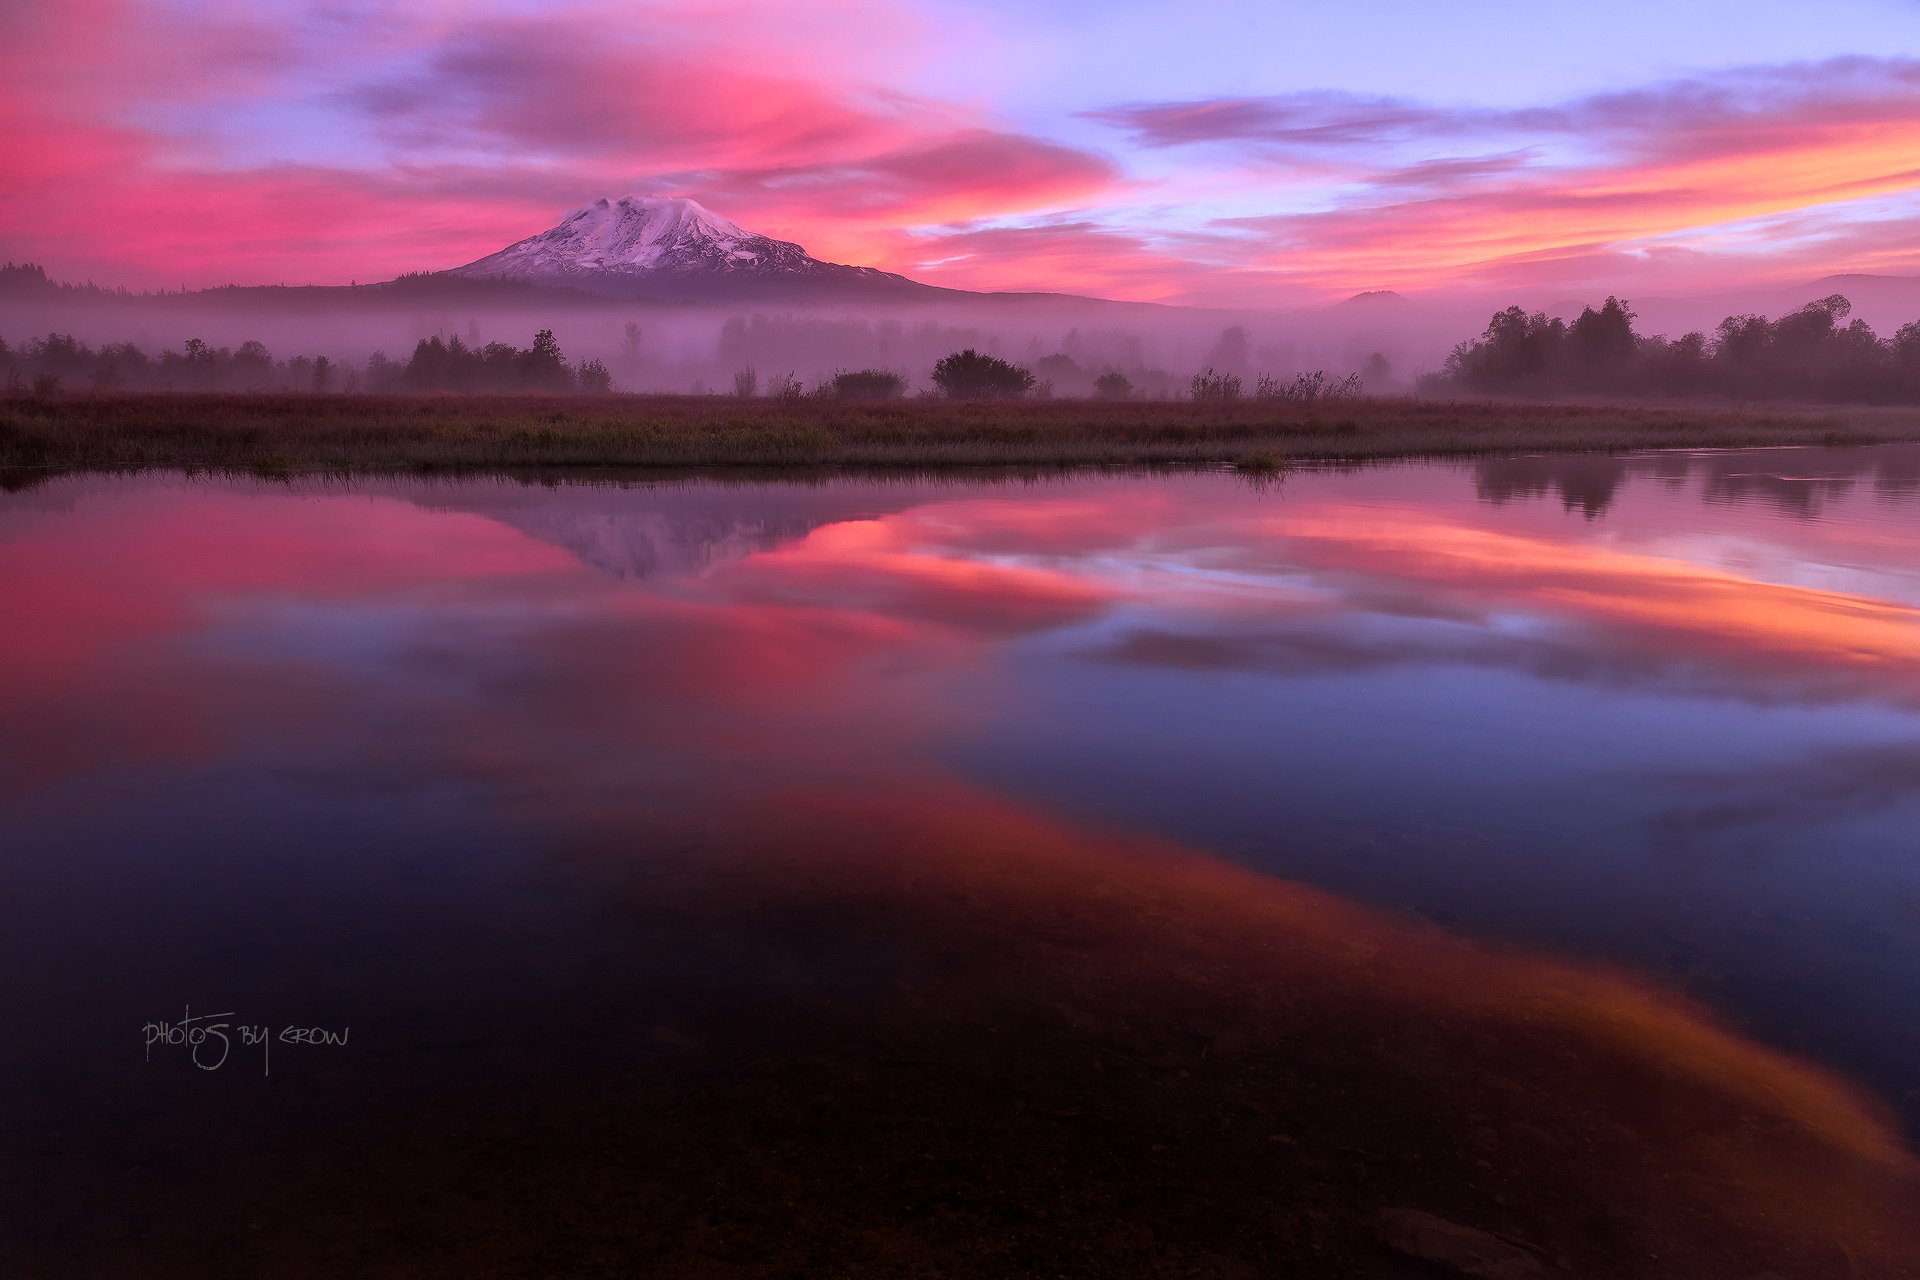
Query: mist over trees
x,y
27,279
370,331
59,362
1816,353
453,365
1809,354
442,365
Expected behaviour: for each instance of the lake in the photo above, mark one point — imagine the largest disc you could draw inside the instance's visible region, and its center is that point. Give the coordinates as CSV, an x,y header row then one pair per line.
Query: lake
x,y
1482,868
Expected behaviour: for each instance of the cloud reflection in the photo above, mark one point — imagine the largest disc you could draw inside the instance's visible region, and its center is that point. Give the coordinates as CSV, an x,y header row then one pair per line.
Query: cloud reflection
x,y
744,765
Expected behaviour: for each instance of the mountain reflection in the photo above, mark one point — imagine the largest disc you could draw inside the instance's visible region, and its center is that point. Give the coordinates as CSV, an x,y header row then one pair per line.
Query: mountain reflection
x,y
774,881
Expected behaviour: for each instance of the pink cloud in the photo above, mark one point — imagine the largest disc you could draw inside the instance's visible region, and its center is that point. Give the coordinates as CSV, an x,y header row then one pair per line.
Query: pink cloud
x,y
1080,256
285,143
1712,113
494,86
490,128
1584,193
837,168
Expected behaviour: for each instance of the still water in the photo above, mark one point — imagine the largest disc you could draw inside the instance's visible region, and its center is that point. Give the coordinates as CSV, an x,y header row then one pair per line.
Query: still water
x,y
1505,868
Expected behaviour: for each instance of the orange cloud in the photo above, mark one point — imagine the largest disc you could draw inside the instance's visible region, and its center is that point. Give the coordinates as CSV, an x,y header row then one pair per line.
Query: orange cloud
x,y
1580,192
319,144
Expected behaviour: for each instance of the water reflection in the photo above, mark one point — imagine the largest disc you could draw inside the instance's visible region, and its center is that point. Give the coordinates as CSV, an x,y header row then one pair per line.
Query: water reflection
x,y
1794,481
1008,878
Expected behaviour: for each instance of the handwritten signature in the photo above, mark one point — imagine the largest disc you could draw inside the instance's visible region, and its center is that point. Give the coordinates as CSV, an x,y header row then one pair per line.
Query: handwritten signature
x,y
209,1038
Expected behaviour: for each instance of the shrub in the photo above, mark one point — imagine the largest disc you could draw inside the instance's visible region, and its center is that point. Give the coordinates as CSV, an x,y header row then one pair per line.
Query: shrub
x,y
594,377
968,375
869,384
746,383
1113,386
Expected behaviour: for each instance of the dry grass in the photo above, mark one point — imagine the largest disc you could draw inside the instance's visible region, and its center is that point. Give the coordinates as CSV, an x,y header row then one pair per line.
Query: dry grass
x,y
285,434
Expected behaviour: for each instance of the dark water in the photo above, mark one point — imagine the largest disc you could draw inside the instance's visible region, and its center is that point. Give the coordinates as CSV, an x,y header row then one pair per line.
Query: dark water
x,y
1116,875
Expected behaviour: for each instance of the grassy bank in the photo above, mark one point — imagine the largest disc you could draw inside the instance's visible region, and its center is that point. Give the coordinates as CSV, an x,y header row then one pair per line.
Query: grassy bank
x,y
283,434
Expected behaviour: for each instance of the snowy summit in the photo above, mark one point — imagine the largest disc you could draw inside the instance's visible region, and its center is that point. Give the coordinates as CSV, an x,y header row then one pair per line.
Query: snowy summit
x,y
661,246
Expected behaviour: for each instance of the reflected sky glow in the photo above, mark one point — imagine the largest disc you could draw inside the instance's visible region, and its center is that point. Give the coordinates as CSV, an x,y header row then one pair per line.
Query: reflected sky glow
x,y
1621,753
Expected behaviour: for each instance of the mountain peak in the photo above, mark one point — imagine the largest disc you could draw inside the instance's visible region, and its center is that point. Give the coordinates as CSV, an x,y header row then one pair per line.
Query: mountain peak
x,y
667,246
652,219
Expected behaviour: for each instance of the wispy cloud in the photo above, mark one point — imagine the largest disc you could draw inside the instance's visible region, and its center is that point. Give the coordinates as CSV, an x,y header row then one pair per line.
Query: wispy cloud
x,y
447,140
305,141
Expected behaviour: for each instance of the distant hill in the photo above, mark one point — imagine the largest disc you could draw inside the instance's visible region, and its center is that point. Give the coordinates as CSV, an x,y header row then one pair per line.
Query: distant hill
x,y
1374,300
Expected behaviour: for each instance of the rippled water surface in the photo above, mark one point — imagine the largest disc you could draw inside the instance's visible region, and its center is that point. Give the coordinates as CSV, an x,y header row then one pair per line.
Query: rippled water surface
x,y
1160,875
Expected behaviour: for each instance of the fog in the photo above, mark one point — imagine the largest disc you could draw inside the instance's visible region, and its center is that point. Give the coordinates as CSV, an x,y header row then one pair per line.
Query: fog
x,y
681,348
1388,339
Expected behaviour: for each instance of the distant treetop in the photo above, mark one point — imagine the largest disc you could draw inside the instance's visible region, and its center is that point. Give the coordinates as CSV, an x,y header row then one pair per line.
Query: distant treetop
x,y
969,375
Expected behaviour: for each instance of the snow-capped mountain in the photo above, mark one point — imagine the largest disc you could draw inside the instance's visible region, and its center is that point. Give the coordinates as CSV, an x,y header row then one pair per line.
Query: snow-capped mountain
x,y
658,247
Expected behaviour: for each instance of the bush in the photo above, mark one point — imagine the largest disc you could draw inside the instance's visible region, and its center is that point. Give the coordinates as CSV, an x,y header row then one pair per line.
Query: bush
x,y
968,375
594,377
746,383
1113,386
869,384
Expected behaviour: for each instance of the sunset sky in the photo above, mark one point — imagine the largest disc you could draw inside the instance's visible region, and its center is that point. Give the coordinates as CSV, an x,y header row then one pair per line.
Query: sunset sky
x,y
1246,153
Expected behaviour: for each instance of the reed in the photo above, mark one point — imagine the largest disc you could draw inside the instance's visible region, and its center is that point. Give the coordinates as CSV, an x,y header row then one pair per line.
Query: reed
x,y
349,434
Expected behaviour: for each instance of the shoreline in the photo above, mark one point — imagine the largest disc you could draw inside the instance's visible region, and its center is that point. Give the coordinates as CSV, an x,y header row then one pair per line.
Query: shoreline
x,y
280,435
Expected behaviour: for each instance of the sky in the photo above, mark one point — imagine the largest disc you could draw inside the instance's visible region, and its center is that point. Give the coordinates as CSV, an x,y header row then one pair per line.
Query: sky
x,y
1241,153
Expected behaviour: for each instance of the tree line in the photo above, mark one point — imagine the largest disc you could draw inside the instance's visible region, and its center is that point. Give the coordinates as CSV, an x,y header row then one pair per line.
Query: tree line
x,y
453,365
1810,354
60,362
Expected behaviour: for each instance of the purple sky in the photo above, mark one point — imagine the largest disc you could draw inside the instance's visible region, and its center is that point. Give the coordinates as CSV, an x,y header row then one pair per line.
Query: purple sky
x,y
1241,153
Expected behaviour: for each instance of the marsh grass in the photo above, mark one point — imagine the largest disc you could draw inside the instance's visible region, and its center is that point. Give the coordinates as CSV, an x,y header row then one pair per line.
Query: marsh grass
x,y
342,434
1261,462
